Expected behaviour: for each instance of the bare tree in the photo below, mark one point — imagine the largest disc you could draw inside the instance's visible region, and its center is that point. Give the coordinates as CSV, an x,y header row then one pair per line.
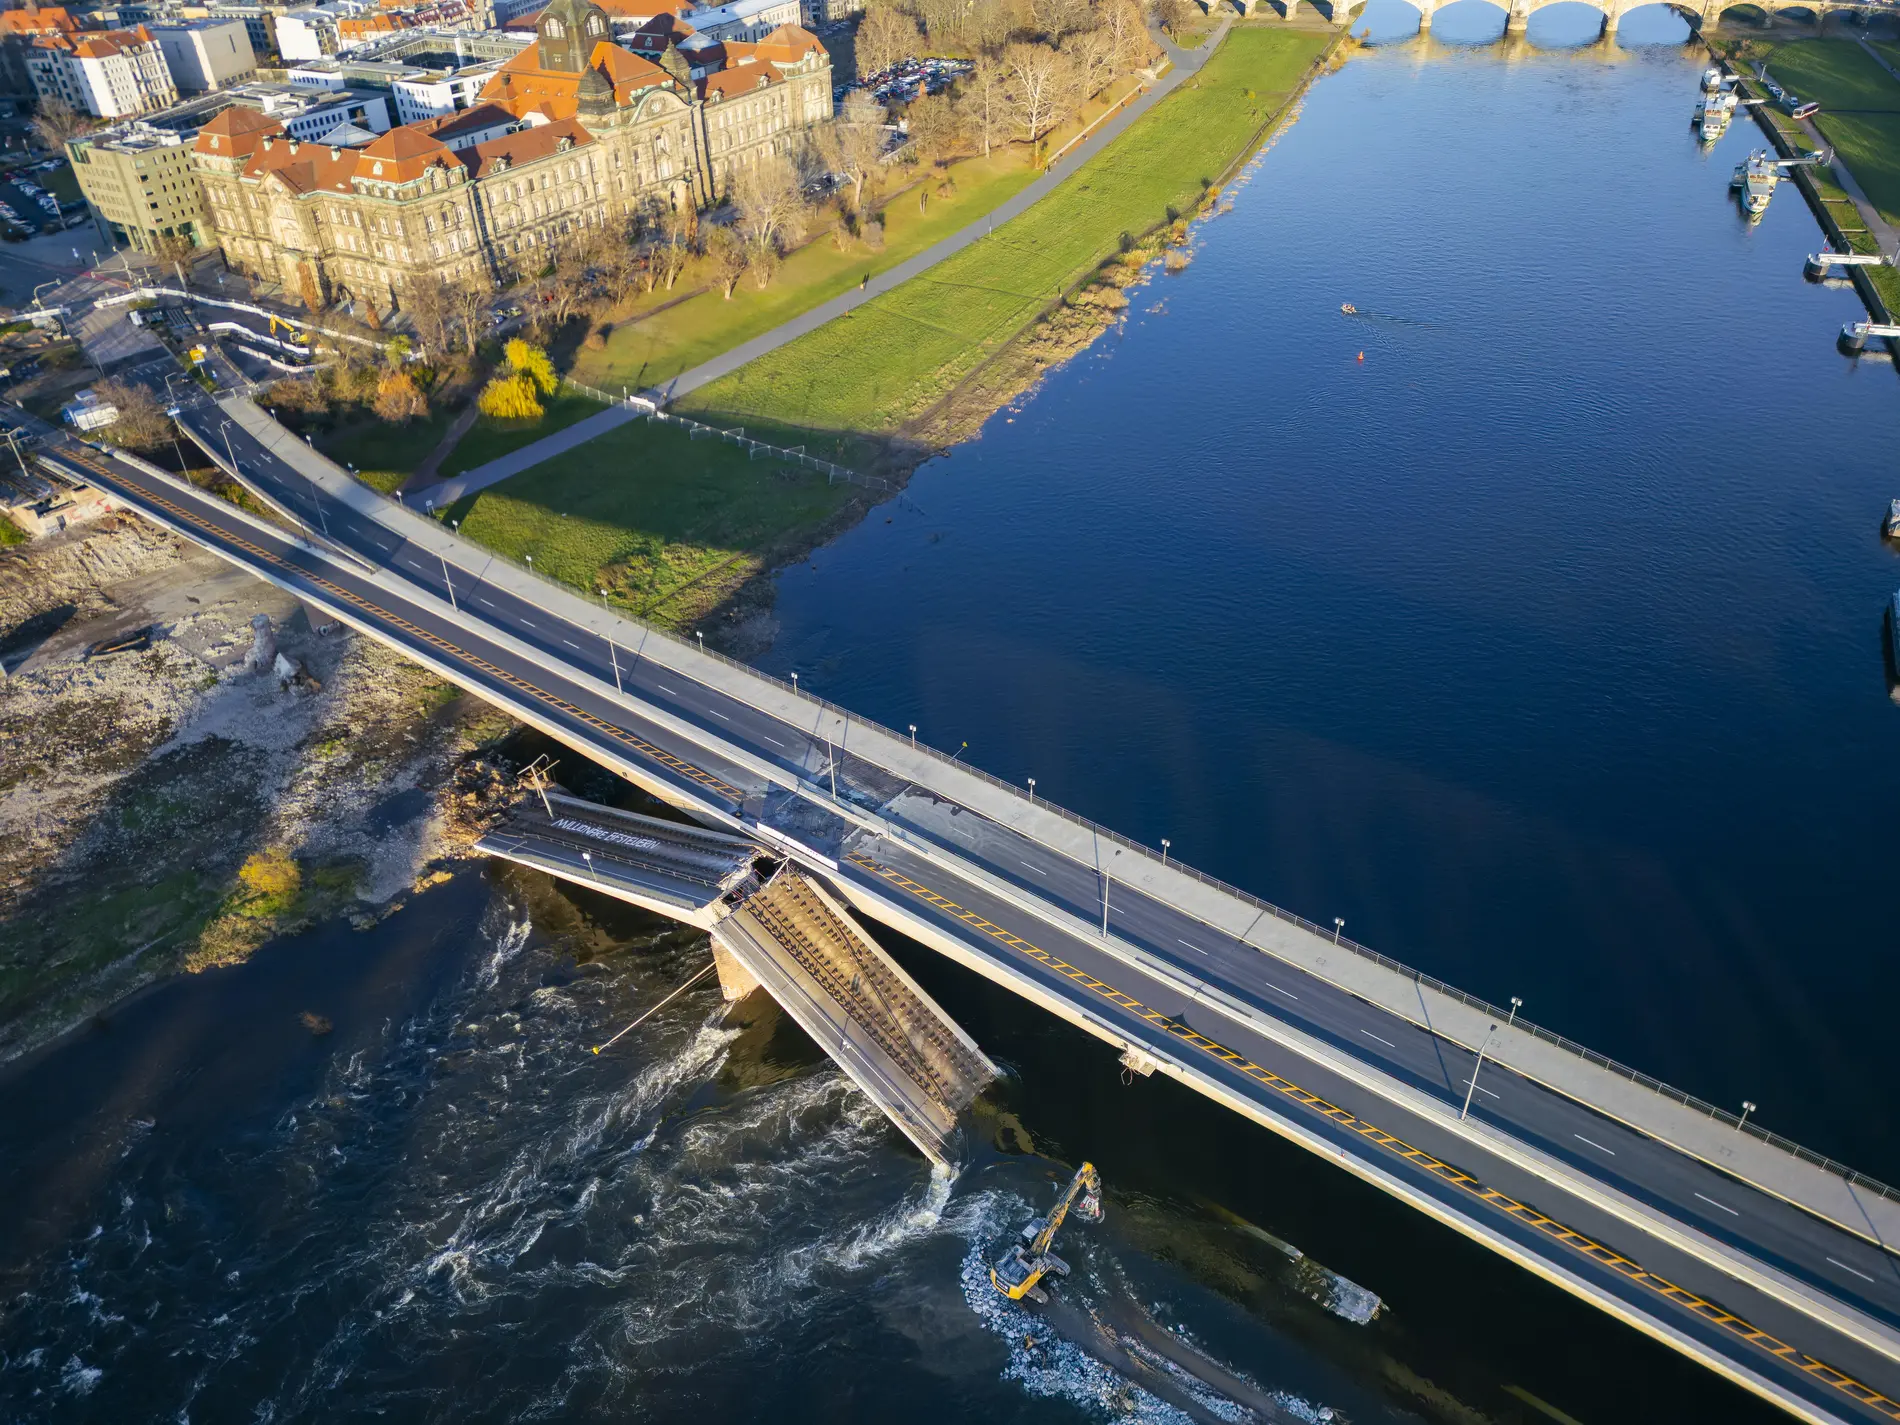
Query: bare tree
x,y
431,307
771,207
667,257
885,36
1123,21
726,255
470,296
1039,86
141,423
853,142
933,126
983,106
1056,18
1092,53
570,286
57,122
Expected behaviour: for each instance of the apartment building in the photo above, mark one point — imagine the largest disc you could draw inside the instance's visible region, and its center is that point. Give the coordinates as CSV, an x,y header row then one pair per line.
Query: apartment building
x,y
110,74
138,181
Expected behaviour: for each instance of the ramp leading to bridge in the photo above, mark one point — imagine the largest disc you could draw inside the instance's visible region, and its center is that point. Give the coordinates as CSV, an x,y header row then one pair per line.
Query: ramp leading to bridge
x,y
685,872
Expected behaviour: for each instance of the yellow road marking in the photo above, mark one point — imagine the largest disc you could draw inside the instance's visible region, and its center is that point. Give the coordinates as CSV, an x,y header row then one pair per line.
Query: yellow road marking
x,y
1438,1168
619,734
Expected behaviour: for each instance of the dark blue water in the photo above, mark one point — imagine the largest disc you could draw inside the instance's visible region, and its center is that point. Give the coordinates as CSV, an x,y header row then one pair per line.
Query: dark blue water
x,y
1543,644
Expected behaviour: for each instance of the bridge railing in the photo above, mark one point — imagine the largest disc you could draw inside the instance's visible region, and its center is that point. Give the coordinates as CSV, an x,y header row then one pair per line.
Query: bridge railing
x,y
1518,1021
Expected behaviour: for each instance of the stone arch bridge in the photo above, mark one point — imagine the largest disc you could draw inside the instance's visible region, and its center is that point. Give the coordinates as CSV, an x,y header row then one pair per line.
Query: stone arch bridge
x,y
1763,13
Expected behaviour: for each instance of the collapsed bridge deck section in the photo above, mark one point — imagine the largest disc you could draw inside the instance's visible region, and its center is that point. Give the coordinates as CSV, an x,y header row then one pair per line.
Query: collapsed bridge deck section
x,y
772,928
890,1037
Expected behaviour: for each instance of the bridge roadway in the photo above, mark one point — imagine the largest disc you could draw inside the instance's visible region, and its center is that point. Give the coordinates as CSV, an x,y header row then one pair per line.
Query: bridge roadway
x,y
1786,1302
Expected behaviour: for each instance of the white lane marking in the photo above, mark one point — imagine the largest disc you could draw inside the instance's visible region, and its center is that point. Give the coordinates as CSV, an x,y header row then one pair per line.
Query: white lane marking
x,y
663,688
485,601
1600,1148
1723,1205
773,740
412,564
1277,990
528,622
1370,1035
1480,1088
571,643
716,713
1190,945
1037,869
1855,1270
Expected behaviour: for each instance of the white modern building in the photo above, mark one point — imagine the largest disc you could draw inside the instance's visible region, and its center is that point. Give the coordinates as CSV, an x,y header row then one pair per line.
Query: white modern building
x,y
204,55
110,74
432,92
743,19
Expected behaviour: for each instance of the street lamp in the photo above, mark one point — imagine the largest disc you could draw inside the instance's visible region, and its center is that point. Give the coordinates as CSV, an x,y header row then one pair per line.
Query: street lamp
x,y
588,857
1339,924
1747,1108
1032,789
794,683
1473,1088
702,639
913,735
1516,1005
1165,845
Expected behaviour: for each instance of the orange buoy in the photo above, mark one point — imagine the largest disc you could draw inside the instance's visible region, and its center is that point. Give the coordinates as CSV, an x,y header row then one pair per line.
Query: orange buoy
x,y
1362,356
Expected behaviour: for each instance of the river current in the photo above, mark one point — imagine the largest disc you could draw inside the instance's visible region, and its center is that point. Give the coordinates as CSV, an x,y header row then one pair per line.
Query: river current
x,y
1543,644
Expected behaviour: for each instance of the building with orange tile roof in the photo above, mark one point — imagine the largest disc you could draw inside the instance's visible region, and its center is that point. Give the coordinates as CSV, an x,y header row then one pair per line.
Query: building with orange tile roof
x,y
574,132
110,74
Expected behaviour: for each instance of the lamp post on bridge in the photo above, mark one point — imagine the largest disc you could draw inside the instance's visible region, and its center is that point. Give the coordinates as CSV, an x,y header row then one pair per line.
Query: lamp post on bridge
x,y
1747,1108
1472,1088
1339,924
588,857
1516,1005
1032,790
1165,844
913,737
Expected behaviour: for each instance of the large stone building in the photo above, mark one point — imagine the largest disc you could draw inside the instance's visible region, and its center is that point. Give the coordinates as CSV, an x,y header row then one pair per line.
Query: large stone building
x,y
585,132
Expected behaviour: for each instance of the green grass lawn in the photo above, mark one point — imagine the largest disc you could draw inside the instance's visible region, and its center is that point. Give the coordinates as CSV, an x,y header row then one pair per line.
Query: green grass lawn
x,y
1860,110
384,454
1870,147
490,439
903,351
652,349
10,533
668,525
1838,73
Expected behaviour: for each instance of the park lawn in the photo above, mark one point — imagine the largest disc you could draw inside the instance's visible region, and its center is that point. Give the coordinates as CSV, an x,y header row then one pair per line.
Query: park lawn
x,y
10,533
667,525
648,350
1869,145
489,439
1837,73
385,454
905,350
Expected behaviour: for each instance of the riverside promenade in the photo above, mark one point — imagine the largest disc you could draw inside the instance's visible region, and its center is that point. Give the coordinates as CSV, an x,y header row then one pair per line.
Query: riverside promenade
x,y
1768,1264
1185,63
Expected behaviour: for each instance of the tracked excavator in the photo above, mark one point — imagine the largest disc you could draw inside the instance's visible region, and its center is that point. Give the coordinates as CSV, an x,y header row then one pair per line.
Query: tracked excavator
x,y
1017,1272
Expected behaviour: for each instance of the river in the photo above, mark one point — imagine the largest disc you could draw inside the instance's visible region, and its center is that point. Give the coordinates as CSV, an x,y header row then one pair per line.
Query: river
x,y
1543,644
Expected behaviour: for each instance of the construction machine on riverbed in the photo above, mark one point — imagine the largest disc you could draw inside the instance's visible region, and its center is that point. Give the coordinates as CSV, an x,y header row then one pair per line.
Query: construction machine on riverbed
x,y
1017,1272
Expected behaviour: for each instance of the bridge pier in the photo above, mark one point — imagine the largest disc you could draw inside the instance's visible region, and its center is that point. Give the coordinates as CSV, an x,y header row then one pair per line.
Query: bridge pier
x,y
1609,25
1516,21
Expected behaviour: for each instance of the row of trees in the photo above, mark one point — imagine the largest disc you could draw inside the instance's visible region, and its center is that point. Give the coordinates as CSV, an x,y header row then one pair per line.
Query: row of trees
x,y
894,30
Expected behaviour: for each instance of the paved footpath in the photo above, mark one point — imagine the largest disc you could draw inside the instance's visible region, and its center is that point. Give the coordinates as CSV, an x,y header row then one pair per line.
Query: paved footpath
x,y
1186,63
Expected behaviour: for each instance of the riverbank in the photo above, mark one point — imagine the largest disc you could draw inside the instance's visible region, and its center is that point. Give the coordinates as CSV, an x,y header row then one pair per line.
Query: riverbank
x,y
689,534
174,807
1840,75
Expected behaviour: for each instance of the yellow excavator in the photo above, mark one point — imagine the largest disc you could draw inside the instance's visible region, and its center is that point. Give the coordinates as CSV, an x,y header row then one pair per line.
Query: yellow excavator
x,y
1017,1271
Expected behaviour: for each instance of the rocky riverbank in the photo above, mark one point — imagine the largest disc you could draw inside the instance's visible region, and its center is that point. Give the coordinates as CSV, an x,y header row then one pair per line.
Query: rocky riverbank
x,y
171,806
